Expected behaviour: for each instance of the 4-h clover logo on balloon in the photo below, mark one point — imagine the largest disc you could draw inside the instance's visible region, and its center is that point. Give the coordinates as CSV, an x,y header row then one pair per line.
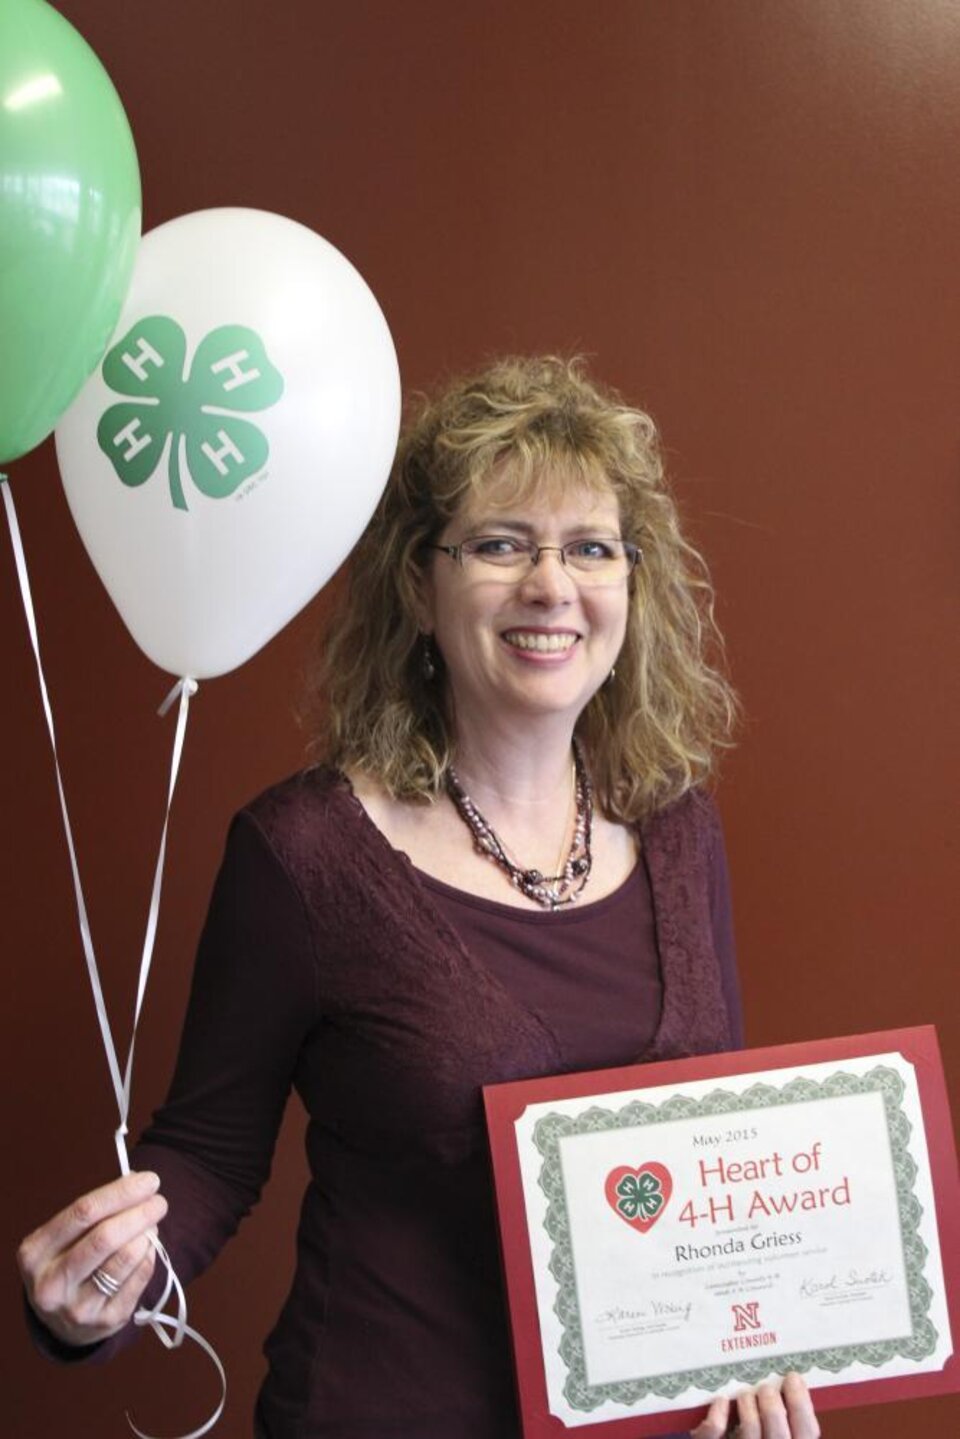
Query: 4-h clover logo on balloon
x,y
196,408
639,1196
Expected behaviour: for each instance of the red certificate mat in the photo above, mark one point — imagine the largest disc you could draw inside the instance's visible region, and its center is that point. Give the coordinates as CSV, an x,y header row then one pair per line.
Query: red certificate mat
x,y
670,1231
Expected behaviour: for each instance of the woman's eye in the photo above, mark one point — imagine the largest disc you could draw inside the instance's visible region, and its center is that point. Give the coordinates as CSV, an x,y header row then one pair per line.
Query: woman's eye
x,y
592,549
496,547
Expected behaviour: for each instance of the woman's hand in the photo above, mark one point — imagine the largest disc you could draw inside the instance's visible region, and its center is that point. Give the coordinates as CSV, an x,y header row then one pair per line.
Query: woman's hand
x,y
85,1269
767,1414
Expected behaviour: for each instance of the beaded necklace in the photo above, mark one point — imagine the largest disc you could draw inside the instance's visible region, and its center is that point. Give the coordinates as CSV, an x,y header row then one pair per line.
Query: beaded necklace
x,y
550,891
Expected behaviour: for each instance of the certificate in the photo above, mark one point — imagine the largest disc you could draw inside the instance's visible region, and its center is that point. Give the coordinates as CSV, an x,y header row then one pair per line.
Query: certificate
x,y
679,1230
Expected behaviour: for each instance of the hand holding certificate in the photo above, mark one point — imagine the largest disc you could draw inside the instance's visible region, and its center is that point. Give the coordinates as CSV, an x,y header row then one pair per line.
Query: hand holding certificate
x,y
734,1218
767,1413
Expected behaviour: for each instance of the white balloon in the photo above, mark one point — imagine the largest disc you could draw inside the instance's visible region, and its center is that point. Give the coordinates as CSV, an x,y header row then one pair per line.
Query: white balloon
x,y
229,451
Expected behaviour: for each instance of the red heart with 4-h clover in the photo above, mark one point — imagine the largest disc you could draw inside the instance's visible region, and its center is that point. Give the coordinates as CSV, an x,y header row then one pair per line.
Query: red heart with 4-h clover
x,y
639,1196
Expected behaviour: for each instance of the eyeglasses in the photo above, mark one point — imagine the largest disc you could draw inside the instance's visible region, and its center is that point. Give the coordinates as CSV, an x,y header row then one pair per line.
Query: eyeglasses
x,y
599,561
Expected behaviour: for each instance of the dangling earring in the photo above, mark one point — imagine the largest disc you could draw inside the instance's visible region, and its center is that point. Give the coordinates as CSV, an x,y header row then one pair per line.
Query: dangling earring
x,y
611,676
428,666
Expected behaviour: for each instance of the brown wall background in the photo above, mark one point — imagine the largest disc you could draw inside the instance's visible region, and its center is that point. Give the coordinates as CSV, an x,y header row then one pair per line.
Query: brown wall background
x,y
748,212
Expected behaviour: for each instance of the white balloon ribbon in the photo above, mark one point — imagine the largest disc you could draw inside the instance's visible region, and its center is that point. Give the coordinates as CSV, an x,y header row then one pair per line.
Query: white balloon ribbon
x,y
170,1329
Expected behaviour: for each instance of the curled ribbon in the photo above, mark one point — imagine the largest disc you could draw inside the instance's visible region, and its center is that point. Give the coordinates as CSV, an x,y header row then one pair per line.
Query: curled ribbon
x,y
170,1329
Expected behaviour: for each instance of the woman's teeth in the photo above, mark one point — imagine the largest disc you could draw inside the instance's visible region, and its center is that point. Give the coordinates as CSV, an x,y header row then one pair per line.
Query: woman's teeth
x,y
545,644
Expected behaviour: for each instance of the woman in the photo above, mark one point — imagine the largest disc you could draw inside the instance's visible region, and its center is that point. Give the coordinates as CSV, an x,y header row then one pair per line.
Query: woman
x,y
505,866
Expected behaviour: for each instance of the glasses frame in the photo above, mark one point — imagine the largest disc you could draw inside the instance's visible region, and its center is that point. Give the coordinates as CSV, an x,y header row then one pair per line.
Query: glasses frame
x,y
633,553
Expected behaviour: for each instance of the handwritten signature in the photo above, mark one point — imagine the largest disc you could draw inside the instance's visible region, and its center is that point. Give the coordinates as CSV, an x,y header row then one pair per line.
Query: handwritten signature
x,y
853,1279
657,1309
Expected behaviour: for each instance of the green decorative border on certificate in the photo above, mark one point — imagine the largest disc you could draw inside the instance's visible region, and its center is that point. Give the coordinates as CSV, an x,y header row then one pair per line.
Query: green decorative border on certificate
x,y
549,1130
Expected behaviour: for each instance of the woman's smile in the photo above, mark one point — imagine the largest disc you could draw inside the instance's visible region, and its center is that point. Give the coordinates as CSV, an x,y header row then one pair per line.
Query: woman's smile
x,y
541,643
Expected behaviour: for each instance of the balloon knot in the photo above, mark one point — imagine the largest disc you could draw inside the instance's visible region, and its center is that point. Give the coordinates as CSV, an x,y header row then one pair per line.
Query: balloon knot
x,y
185,686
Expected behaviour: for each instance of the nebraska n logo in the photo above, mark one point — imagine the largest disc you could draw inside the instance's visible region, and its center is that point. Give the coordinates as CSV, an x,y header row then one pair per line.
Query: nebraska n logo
x,y
746,1316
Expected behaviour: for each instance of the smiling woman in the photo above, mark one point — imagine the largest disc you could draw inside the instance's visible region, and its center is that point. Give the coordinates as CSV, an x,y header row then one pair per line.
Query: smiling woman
x,y
537,637
504,866
522,433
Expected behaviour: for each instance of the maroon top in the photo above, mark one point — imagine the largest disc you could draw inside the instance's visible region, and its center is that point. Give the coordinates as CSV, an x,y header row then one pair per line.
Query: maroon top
x,y
388,999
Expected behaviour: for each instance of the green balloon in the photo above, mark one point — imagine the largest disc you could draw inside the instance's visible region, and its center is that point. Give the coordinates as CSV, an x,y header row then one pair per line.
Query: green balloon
x,y
69,218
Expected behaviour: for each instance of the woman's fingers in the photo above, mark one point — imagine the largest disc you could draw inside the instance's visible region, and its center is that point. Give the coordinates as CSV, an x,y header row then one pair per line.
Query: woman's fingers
x,y
800,1411
767,1413
66,1227
85,1270
714,1425
114,1245
748,1417
113,1310
111,1278
771,1413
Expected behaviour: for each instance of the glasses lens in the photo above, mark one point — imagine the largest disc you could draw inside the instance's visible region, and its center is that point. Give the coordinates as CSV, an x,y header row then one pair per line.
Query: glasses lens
x,y
602,559
504,551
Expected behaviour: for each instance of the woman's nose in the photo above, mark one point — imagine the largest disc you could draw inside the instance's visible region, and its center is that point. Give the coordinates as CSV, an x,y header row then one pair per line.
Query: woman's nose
x,y
548,581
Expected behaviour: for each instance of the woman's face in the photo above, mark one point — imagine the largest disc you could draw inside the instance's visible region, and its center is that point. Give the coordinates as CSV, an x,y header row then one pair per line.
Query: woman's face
x,y
540,641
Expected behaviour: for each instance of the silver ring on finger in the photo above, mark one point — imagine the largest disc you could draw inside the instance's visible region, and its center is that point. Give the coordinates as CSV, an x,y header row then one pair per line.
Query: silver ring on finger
x,y
106,1283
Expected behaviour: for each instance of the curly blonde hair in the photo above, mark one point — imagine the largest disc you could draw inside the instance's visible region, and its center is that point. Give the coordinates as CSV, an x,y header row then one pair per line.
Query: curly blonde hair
x,y
652,733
